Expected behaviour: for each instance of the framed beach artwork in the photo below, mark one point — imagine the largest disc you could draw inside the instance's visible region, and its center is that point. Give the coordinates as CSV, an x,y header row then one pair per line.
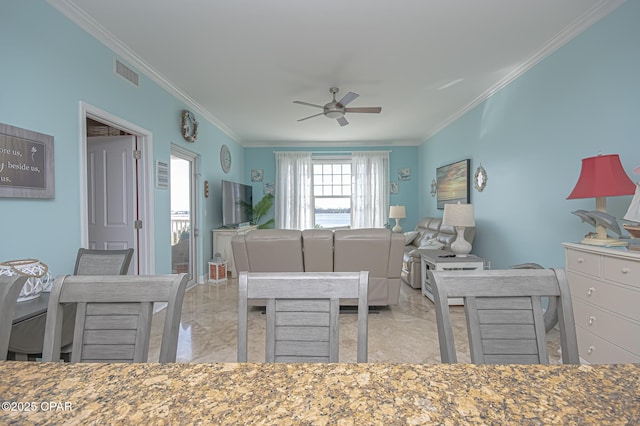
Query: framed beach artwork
x,y
453,183
257,175
404,173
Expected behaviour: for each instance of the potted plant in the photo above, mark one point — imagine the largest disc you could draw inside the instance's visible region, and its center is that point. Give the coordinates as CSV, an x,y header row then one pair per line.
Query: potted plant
x,y
261,209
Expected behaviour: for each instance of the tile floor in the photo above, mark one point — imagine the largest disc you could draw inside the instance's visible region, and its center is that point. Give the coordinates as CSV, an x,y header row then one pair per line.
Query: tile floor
x,y
403,333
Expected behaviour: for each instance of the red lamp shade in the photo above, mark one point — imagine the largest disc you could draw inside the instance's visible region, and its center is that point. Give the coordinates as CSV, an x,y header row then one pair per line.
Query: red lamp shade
x,y
602,176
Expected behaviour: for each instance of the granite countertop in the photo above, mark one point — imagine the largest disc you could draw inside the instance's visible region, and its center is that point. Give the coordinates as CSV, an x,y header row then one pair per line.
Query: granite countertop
x,y
56,393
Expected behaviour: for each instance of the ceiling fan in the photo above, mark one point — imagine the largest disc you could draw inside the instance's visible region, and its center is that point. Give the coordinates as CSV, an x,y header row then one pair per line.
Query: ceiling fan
x,y
337,109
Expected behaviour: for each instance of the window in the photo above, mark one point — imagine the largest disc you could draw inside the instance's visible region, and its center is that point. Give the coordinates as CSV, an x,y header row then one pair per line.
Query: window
x,y
332,181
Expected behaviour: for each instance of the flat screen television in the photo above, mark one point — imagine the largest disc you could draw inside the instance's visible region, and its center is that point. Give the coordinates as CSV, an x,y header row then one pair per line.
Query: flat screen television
x,y
237,203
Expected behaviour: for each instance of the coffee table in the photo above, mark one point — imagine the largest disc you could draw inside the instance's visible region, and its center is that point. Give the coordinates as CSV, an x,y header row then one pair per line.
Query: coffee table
x,y
441,260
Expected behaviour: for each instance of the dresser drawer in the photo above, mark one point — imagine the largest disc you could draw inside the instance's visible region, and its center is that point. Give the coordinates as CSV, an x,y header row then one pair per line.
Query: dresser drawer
x,y
621,300
586,263
621,332
622,271
595,350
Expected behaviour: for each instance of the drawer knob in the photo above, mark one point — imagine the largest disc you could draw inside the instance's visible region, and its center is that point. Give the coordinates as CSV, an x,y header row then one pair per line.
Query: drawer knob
x,y
581,260
591,291
625,270
592,319
590,350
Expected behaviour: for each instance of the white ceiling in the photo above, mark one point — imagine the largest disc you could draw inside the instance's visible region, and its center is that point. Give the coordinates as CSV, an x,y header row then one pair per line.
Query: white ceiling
x,y
242,63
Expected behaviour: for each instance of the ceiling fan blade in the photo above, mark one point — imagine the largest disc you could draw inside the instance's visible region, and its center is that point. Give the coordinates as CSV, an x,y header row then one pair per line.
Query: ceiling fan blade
x,y
342,121
348,98
364,109
308,104
311,116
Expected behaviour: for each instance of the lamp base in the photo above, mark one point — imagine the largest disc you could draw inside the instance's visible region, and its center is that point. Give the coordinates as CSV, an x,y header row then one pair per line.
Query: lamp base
x,y
460,246
397,228
610,242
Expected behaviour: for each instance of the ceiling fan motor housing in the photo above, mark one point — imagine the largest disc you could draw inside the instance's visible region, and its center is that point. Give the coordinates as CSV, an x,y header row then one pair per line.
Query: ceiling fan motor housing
x,y
334,110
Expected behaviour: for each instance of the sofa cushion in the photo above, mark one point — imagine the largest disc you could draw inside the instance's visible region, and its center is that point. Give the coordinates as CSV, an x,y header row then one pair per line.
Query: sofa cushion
x,y
410,236
317,246
274,250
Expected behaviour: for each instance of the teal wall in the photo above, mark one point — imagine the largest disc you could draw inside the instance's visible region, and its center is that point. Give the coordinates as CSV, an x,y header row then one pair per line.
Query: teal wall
x,y
532,135
48,66
529,136
399,157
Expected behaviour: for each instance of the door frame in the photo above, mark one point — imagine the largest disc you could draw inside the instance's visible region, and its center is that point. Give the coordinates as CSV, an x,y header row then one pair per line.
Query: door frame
x,y
146,238
185,154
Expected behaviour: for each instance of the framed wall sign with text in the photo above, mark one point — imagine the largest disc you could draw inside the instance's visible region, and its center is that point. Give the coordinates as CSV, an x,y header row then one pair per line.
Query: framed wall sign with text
x,y
26,163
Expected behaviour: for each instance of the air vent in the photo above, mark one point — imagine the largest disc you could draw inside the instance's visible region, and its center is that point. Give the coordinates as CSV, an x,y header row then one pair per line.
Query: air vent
x,y
127,73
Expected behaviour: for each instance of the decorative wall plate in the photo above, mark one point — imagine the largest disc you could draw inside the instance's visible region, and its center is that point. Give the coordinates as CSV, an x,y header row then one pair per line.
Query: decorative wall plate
x,y
189,126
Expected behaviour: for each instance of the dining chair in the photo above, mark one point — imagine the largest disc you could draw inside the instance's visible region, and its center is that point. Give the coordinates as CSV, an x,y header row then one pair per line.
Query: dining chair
x,y
102,262
113,318
9,291
504,314
302,313
27,336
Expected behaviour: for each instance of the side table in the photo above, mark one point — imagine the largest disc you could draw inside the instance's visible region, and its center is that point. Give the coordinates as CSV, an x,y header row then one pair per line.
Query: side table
x,y
439,260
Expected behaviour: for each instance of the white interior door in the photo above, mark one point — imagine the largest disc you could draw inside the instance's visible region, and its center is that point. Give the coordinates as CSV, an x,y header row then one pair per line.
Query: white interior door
x,y
111,194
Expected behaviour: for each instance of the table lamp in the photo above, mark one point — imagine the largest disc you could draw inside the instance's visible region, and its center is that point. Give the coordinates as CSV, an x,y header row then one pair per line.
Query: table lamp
x,y
460,216
397,212
602,176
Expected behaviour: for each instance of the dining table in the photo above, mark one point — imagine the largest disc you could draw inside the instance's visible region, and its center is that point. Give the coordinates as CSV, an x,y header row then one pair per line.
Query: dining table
x,y
329,393
27,330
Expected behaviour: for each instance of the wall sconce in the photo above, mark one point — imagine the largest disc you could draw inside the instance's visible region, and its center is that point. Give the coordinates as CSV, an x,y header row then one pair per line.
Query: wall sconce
x,y
397,213
600,177
434,188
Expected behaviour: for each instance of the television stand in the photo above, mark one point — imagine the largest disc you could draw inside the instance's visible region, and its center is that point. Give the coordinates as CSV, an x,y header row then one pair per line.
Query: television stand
x,y
221,243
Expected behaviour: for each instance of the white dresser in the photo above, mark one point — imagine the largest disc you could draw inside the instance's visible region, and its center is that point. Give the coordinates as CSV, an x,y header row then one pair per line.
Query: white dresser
x,y
605,292
222,244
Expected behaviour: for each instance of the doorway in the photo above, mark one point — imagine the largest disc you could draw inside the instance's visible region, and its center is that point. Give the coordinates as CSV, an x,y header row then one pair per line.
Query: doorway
x,y
184,231
115,187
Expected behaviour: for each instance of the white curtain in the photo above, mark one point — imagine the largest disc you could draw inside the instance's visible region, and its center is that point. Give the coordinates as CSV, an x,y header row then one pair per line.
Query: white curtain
x,y
370,195
294,191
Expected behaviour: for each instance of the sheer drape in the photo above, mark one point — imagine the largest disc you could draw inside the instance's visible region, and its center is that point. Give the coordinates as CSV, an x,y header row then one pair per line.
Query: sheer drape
x,y
370,195
294,192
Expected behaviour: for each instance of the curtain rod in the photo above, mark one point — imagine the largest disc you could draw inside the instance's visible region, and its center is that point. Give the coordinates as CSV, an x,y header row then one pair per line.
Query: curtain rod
x,y
338,152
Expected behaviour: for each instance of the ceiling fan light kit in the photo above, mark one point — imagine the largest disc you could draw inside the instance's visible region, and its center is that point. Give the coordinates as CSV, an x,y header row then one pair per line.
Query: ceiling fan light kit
x,y
337,109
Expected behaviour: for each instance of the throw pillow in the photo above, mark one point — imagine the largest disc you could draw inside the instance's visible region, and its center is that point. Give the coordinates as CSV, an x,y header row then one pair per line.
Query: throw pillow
x,y
432,244
409,237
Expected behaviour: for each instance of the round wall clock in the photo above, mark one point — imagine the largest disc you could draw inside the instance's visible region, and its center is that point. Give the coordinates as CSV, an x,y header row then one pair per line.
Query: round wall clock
x,y
225,158
189,126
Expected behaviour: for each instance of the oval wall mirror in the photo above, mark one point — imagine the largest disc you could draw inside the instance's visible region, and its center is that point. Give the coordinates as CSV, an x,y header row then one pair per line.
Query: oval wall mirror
x,y
480,178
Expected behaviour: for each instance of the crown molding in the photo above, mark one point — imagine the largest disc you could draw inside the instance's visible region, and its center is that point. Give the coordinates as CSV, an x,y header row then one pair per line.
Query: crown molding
x,y
91,26
328,144
593,15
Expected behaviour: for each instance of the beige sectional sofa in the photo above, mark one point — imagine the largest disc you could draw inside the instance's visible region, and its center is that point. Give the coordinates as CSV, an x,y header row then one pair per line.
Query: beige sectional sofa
x,y
378,251
428,234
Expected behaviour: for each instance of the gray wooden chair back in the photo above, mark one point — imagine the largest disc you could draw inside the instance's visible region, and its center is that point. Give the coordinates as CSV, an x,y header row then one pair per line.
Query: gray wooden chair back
x,y
113,316
27,336
9,291
504,314
302,313
103,262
